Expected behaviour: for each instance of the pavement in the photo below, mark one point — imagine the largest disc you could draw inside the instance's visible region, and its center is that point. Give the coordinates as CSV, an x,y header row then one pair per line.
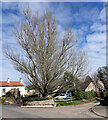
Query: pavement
x,y
100,111
73,111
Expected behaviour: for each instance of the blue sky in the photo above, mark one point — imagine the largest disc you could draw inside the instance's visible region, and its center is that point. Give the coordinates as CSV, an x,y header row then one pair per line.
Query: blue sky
x,y
87,19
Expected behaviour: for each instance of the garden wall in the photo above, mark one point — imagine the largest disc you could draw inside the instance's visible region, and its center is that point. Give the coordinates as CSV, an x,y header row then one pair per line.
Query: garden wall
x,y
40,103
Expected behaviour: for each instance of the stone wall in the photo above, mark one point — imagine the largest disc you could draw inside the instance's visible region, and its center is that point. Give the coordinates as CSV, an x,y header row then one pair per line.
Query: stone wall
x,y
40,103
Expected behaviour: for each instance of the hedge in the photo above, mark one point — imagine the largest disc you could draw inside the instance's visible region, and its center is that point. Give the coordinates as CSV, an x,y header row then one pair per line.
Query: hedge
x,y
35,98
106,95
79,94
89,95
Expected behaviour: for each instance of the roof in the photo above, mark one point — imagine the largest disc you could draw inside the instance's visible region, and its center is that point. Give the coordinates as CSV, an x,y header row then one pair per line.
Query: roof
x,y
82,86
86,83
11,83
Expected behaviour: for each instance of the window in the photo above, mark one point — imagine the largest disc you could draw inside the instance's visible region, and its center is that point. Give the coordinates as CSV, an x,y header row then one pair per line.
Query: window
x,y
3,90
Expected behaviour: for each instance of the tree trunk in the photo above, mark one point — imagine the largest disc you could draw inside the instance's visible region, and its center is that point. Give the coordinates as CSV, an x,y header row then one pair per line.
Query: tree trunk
x,y
45,93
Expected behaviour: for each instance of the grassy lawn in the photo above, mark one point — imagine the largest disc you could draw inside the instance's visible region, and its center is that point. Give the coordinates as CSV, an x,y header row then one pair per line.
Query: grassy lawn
x,y
75,102
64,103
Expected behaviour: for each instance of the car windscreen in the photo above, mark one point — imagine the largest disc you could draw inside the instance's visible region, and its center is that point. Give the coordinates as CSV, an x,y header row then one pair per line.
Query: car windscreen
x,y
62,94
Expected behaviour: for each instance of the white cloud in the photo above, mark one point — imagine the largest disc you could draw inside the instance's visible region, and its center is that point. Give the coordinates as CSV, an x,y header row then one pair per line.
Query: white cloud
x,y
102,15
96,44
9,18
98,27
96,41
0,49
97,38
82,14
34,6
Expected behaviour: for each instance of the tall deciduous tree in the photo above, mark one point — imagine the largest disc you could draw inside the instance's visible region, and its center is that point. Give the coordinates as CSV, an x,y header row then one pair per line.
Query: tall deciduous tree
x,y
69,79
45,58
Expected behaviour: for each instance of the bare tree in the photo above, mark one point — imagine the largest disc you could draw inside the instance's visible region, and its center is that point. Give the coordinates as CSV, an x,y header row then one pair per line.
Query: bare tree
x,y
43,60
95,78
79,63
78,67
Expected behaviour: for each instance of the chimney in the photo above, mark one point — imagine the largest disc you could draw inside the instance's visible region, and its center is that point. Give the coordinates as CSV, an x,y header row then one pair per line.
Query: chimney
x,y
8,80
20,80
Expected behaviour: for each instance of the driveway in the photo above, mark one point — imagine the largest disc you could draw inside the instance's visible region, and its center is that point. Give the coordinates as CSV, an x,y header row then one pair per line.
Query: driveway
x,y
77,111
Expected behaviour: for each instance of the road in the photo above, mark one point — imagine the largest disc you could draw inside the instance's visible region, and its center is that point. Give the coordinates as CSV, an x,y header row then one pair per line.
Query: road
x,y
77,111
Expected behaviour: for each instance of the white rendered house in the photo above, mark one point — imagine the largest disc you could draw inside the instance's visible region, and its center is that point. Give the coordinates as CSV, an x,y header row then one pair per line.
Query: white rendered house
x,y
6,86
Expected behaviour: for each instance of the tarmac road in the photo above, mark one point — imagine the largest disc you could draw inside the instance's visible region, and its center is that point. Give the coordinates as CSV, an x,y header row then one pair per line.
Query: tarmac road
x,y
77,111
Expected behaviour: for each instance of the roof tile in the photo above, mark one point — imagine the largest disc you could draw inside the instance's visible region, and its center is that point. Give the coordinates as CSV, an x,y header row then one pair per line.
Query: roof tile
x,y
11,83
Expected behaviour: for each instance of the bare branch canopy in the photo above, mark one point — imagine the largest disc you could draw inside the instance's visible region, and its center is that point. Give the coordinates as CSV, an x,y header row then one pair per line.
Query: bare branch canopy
x,y
45,58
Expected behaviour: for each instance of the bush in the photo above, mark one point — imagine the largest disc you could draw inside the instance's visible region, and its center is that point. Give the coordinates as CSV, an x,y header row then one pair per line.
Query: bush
x,y
106,95
3,99
77,93
89,95
35,98
98,94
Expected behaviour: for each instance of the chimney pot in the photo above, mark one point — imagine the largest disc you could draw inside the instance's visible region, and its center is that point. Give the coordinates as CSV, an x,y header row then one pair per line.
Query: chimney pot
x,y
20,80
8,80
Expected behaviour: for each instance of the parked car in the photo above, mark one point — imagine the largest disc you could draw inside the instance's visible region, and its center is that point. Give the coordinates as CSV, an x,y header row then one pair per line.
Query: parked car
x,y
67,95
61,96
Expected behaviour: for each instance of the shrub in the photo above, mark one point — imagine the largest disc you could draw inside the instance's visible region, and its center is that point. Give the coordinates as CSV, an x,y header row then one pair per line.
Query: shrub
x,y
3,99
35,98
77,93
106,95
89,95
98,93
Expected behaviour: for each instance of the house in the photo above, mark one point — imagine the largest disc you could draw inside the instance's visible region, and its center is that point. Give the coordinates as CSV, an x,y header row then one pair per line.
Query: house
x,y
88,85
6,86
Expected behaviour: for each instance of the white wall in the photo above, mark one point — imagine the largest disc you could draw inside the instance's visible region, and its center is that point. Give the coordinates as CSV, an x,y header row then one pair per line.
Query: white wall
x,y
91,87
21,89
